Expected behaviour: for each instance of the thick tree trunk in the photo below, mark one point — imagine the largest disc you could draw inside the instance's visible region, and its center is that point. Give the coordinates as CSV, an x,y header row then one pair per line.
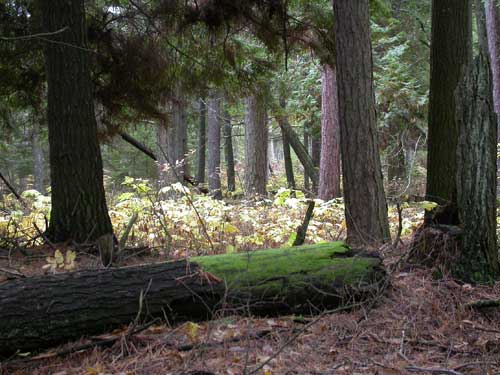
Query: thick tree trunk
x,y
255,146
38,159
202,140
228,152
329,170
493,31
213,140
451,53
365,204
38,312
79,209
477,260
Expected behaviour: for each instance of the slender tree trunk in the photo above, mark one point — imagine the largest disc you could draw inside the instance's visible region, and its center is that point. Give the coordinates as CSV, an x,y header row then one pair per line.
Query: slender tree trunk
x,y
299,148
307,184
180,124
255,146
329,171
38,159
365,204
287,155
451,52
228,152
316,155
214,184
165,134
202,140
79,209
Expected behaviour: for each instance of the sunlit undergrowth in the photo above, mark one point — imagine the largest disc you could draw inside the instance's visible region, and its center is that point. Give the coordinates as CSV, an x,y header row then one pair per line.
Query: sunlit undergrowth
x,y
176,221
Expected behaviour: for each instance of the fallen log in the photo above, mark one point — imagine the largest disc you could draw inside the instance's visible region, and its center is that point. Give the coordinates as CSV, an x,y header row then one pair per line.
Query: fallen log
x,y
39,312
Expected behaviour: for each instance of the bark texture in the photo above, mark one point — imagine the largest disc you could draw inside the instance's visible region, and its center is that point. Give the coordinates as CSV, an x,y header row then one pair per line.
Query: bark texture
x,y
451,53
213,140
493,31
165,133
79,209
287,155
255,146
365,204
229,153
477,260
42,311
329,170
180,124
202,140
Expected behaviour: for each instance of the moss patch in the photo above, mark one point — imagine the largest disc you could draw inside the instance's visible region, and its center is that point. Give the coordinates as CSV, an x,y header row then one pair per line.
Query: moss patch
x,y
285,270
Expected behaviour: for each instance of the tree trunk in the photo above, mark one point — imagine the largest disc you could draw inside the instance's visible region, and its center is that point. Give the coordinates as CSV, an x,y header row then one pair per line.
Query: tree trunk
x,y
180,124
38,159
38,312
365,204
477,260
228,152
299,149
451,53
493,31
316,155
79,209
214,184
329,171
165,133
287,155
202,140
255,146
307,186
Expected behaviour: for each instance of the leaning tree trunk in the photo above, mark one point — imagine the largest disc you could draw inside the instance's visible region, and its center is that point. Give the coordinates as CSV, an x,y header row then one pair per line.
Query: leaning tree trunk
x,y
79,209
329,170
451,53
299,149
213,140
287,155
365,204
477,260
228,152
202,140
255,146
38,312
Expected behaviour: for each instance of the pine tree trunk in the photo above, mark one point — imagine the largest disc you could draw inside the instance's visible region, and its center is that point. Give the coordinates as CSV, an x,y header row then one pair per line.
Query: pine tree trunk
x,y
202,140
180,143
79,209
255,146
38,159
493,31
365,204
38,312
213,140
287,155
329,171
228,152
307,184
451,53
476,181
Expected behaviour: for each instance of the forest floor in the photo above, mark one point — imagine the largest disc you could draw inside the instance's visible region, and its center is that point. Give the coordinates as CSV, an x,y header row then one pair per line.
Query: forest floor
x,y
418,326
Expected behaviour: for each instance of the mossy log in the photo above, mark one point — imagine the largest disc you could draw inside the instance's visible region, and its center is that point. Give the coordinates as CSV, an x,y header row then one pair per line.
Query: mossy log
x,y
39,312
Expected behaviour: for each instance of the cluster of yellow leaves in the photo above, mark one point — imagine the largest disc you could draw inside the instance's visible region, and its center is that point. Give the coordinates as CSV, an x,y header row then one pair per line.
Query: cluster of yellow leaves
x,y
59,261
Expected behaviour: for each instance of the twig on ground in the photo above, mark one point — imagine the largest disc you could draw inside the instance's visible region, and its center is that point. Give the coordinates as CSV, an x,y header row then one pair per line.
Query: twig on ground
x,y
441,371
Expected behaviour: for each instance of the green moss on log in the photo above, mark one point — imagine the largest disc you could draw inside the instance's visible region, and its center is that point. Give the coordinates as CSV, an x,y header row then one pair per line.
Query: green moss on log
x,y
284,271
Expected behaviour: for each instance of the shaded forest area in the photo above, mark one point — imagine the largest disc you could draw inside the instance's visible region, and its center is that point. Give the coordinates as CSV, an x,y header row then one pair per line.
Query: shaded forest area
x,y
244,187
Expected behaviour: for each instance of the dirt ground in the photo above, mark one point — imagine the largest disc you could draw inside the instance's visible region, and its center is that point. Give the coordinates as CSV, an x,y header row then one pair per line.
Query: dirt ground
x,y
418,326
